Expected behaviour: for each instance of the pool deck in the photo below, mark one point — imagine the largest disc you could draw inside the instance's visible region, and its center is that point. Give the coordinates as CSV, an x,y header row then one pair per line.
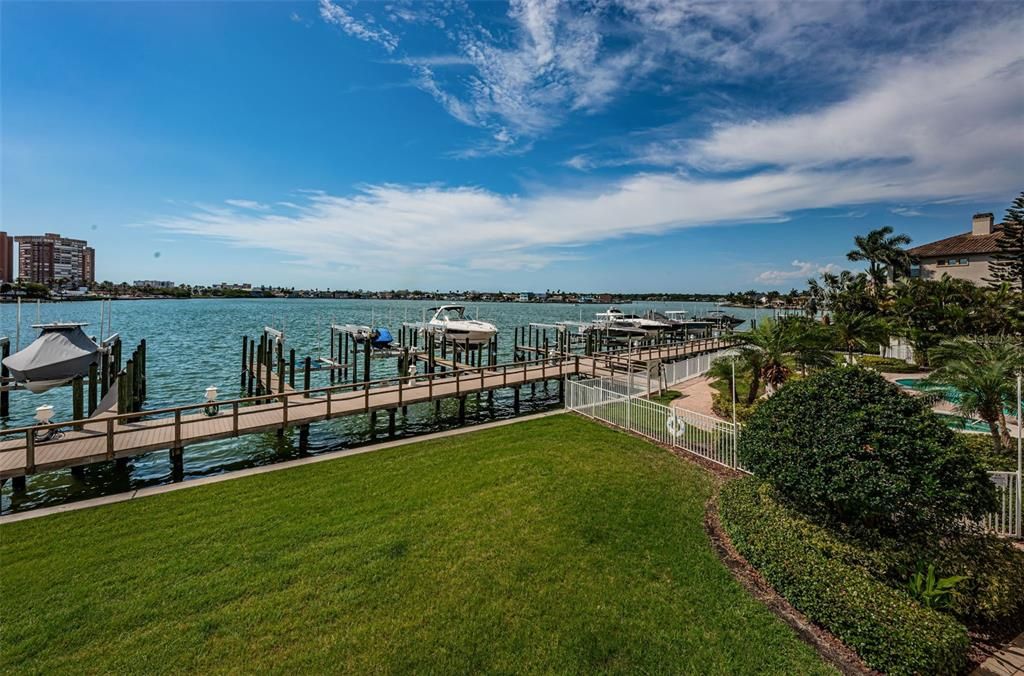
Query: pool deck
x,y
943,406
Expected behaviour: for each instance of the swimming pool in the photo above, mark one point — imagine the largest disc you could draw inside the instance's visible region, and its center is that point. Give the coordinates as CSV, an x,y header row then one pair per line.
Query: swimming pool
x,y
952,395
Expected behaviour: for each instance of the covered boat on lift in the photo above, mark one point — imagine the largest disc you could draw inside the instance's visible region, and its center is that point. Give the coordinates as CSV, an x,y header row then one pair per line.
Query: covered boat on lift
x,y
61,353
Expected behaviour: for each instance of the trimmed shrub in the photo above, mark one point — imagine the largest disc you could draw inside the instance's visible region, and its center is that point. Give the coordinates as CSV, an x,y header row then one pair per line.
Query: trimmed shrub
x,y
887,364
851,447
804,563
722,407
993,593
981,446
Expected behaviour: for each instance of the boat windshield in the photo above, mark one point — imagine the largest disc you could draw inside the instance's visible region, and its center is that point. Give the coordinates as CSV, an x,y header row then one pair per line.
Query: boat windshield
x,y
452,314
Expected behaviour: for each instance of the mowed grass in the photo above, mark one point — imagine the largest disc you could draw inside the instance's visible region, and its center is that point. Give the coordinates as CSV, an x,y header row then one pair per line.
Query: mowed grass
x,y
553,545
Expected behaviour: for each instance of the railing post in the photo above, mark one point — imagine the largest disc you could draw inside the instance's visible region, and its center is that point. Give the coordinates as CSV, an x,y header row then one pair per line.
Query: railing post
x,y
177,428
400,379
284,409
110,438
234,418
30,452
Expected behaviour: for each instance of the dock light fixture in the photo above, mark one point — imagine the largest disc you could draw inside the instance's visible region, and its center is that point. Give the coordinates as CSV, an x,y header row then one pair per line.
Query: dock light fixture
x,y
44,413
212,408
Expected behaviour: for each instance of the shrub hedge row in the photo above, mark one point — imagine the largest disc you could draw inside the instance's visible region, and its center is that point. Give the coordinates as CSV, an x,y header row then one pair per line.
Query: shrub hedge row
x,y
803,562
887,364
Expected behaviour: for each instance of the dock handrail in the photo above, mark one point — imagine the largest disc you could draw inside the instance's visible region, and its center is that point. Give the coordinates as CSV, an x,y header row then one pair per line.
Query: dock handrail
x,y
174,416
361,386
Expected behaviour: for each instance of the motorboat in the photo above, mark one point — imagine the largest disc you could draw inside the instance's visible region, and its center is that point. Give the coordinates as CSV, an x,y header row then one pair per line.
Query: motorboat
x,y
379,338
722,320
615,320
61,353
452,323
679,322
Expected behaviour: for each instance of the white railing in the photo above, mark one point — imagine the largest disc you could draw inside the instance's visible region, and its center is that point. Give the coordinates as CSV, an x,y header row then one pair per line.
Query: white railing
x,y
1006,520
683,370
702,435
613,402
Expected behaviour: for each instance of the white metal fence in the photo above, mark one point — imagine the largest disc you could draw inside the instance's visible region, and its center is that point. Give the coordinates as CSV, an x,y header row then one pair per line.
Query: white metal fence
x,y
702,435
1006,520
617,404
683,370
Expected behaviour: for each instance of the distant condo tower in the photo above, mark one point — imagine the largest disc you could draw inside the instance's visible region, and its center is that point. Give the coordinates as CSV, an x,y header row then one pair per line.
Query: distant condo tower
x,y
6,258
51,260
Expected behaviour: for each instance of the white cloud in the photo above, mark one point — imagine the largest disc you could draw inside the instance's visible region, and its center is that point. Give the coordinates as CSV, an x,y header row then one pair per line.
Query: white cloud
x,y
906,211
801,270
247,204
334,13
938,126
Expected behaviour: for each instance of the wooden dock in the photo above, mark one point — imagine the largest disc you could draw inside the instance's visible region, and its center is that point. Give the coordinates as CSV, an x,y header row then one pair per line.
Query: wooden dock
x,y
117,436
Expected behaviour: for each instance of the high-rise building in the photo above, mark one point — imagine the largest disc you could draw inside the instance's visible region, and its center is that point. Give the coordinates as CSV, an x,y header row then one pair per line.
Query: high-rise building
x,y
53,260
6,258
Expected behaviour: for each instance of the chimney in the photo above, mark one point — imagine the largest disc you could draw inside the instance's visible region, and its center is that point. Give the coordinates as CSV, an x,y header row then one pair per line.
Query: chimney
x,y
981,224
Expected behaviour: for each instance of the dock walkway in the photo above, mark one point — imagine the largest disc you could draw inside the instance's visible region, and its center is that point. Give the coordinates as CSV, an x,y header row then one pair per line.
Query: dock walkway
x,y
114,436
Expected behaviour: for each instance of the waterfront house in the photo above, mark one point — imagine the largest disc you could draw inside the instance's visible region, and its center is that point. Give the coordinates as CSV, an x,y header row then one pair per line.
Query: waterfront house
x,y
965,256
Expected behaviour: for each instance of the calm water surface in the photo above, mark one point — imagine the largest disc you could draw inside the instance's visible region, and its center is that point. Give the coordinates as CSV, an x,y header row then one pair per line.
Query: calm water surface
x,y
197,343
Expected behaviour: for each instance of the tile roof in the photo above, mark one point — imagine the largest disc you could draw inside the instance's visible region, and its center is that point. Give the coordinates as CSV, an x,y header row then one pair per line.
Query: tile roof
x,y
958,245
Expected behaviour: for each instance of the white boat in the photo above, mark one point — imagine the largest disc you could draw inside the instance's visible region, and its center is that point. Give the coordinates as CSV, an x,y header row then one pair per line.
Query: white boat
x,y
452,323
614,320
680,322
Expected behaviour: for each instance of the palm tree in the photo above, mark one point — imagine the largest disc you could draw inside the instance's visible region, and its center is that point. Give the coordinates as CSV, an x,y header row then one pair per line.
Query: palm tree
x,y
857,332
982,369
883,251
774,347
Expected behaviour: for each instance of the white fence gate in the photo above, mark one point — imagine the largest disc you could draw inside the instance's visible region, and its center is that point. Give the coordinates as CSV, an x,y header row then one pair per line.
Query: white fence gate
x,y
702,435
716,440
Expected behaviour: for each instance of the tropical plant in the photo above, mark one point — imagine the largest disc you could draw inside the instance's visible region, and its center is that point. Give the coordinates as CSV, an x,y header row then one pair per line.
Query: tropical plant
x,y
927,312
722,369
857,332
772,349
883,252
982,369
1007,265
843,292
930,590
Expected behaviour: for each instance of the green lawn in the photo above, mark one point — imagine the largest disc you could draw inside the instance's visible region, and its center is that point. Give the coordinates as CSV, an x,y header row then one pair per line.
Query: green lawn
x,y
554,545
666,397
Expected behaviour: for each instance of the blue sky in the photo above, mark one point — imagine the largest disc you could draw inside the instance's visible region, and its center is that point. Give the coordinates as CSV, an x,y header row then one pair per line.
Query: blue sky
x,y
626,145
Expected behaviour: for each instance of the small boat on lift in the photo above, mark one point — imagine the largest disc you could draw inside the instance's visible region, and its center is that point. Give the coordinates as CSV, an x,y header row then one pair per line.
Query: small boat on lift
x,y
452,323
380,338
61,353
679,322
722,320
614,320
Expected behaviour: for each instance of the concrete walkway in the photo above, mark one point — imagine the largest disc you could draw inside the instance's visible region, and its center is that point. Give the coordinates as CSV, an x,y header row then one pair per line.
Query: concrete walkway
x,y
697,394
1007,662
288,464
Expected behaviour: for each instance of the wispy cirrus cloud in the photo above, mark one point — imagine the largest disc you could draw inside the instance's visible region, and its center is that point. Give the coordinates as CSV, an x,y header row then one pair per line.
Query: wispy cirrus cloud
x,y
334,13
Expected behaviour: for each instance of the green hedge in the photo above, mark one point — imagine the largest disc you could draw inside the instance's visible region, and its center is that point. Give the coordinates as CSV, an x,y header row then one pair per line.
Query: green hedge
x,y
722,407
804,563
887,365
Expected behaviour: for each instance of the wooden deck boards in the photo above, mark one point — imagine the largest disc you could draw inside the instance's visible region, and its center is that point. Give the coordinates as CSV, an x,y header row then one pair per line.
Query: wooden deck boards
x,y
90,443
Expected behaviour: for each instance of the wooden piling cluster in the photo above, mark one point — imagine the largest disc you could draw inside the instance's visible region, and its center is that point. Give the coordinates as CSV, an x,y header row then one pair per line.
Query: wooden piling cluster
x,y
131,381
5,395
